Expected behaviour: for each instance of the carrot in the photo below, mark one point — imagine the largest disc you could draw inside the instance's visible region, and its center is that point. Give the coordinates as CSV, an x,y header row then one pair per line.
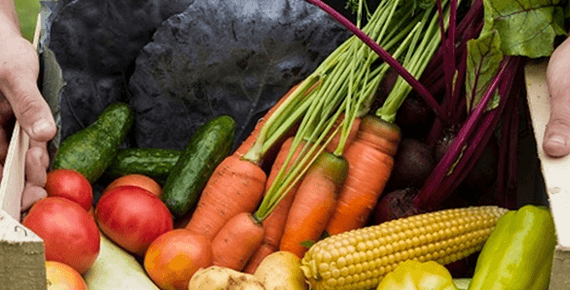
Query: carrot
x,y
238,182
237,241
235,186
250,140
335,141
314,202
371,159
275,221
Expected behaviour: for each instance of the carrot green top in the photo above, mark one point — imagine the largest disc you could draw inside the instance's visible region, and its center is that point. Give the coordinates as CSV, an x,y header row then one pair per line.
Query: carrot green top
x,y
346,83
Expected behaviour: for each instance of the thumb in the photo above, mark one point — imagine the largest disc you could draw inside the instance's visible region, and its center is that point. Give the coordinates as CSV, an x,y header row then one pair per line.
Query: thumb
x,y
31,110
556,141
18,83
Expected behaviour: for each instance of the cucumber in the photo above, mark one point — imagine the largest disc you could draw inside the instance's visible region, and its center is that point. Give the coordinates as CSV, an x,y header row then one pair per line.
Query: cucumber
x,y
92,149
206,149
152,162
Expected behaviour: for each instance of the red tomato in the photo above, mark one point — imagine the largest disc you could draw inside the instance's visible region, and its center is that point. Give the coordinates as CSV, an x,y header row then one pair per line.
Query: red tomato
x,y
70,235
175,256
132,217
70,184
137,180
63,277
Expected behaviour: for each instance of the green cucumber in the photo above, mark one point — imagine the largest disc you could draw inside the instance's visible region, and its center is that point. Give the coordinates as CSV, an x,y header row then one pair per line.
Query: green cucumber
x,y
206,149
92,149
152,162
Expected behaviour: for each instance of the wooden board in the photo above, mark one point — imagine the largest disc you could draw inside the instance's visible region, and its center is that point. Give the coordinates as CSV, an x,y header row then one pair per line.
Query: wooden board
x,y
554,170
22,264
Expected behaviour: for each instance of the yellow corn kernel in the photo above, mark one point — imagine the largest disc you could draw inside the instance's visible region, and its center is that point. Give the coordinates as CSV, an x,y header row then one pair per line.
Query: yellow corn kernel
x,y
360,258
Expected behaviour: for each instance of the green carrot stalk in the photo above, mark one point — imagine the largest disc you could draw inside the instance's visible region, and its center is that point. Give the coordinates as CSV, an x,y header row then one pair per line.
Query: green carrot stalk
x,y
349,85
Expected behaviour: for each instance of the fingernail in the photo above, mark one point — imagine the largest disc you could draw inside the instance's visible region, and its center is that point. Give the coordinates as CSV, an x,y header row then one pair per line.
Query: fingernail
x,y
41,128
557,140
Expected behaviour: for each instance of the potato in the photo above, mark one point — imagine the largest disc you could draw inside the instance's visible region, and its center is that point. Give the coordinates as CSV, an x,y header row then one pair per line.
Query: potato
x,y
220,278
281,271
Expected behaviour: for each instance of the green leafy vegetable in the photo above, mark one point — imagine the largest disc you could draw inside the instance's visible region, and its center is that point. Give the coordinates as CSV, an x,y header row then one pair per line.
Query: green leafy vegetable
x,y
526,27
484,61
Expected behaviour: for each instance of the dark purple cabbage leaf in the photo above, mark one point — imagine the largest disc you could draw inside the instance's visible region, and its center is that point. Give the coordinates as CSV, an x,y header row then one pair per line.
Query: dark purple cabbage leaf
x,y
179,63
225,57
95,43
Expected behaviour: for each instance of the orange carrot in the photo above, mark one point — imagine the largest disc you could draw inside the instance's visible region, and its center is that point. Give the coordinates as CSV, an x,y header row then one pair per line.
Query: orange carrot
x,y
371,159
335,141
314,202
237,241
275,222
235,186
250,140
281,159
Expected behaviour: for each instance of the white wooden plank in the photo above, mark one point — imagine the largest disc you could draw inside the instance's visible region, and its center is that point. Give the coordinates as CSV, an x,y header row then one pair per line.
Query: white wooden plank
x,y
12,183
555,170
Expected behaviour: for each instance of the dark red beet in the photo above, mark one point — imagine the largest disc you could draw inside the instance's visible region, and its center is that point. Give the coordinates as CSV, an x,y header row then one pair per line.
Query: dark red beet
x,y
396,204
414,117
444,142
413,163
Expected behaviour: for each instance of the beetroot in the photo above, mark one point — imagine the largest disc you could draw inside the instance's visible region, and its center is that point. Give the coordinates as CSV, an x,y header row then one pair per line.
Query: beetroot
x,y
444,142
396,204
413,163
415,117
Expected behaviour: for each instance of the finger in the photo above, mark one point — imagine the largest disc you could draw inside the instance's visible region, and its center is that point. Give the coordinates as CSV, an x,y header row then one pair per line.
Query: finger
x,y
31,110
31,194
44,158
556,141
18,84
36,170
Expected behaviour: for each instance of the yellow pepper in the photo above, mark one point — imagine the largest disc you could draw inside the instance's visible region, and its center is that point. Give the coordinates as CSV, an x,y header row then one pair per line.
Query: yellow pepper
x,y
415,275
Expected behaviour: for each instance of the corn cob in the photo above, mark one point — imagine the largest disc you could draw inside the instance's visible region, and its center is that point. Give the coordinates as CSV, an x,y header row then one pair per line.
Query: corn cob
x,y
360,258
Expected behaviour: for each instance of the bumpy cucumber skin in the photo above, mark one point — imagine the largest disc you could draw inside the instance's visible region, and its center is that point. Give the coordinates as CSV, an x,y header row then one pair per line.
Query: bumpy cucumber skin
x,y
91,150
205,150
152,162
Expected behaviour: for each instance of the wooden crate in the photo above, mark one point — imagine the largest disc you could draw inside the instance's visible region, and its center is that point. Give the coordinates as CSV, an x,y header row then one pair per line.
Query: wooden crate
x,y
22,262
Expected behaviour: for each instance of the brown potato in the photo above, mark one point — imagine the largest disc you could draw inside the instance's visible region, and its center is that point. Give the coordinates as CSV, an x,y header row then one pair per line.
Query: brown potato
x,y
220,278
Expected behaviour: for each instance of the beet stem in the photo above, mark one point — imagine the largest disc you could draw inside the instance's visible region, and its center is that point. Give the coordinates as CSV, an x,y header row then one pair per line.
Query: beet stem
x,y
441,182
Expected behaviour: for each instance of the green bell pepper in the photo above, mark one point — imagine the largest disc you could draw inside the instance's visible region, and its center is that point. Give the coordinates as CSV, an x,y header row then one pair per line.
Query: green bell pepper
x,y
519,252
414,275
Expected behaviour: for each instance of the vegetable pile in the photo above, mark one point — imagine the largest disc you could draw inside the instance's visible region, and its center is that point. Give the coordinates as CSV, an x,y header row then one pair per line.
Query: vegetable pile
x,y
285,153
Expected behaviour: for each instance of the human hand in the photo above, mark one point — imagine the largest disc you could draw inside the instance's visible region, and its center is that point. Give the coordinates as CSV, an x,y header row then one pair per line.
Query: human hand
x,y
556,141
21,98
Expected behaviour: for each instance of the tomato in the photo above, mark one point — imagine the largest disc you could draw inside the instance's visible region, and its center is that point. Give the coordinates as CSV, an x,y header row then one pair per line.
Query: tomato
x,y
70,235
137,180
70,184
132,217
175,256
63,277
